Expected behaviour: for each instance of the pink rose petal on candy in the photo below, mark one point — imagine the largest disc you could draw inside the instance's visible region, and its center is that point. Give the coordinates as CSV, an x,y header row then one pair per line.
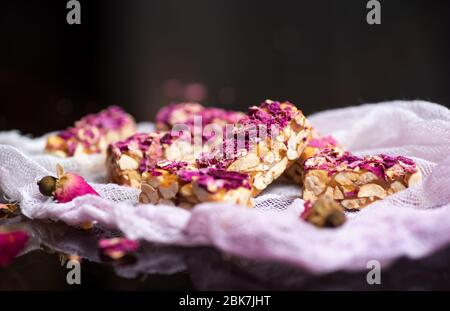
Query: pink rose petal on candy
x,y
117,248
11,244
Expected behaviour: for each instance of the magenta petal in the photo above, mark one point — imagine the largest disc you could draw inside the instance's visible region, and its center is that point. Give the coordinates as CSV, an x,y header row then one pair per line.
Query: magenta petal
x,y
71,186
11,244
308,207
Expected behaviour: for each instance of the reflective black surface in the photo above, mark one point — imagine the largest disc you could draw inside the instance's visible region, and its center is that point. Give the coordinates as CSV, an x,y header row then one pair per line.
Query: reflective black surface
x,y
173,268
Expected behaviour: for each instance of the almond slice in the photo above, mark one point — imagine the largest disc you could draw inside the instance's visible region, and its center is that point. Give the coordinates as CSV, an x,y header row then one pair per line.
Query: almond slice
x,y
371,190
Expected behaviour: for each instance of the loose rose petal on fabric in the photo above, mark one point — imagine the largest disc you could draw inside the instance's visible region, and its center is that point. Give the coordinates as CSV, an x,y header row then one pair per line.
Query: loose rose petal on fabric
x,y
11,243
117,248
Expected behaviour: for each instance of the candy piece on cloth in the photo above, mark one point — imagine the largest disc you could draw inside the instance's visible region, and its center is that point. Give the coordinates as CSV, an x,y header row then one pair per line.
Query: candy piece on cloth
x,y
127,160
324,213
186,186
66,187
8,210
11,244
355,182
265,143
257,151
295,171
117,248
187,113
92,134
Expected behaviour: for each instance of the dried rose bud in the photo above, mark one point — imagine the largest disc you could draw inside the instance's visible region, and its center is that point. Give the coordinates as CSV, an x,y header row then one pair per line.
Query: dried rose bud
x,y
307,210
325,212
11,244
66,187
7,210
117,248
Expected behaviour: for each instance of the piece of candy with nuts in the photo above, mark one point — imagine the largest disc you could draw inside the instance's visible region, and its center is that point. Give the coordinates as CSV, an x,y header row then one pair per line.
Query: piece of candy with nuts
x,y
127,160
324,213
295,172
92,134
190,186
65,187
263,144
355,182
192,113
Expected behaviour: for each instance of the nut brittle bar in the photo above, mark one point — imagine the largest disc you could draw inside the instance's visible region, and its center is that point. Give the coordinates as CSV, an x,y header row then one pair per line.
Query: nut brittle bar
x,y
92,134
271,137
181,184
186,113
355,182
264,144
317,143
127,160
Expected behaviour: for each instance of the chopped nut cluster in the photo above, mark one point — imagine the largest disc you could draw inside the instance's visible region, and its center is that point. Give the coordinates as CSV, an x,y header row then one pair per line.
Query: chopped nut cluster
x,y
356,182
295,172
127,160
186,113
260,148
188,186
325,212
92,134
273,136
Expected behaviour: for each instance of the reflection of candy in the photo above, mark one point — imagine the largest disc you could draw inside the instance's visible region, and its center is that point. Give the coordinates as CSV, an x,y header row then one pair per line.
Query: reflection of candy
x,y
92,134
66,187
117,248
11,244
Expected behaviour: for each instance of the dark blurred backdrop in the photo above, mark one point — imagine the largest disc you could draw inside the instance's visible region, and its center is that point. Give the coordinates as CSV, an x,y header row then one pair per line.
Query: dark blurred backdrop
x,y
143,54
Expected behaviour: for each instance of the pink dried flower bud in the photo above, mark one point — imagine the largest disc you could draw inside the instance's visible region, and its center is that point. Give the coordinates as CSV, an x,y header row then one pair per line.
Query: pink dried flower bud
x,y
11,244
307,210
66,187
117,248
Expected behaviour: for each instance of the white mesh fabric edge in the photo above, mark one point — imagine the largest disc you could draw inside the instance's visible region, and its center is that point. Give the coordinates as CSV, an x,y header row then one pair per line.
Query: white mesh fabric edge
x,y
412,223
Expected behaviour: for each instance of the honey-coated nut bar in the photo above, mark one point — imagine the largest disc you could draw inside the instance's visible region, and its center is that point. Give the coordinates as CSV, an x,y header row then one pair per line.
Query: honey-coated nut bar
x,y
266,157
181,184
295,171
92,134
260,160
186,114
127,160
355,182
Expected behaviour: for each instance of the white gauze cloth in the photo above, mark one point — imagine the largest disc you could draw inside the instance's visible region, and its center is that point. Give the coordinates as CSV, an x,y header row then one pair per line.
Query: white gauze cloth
x,y
412,223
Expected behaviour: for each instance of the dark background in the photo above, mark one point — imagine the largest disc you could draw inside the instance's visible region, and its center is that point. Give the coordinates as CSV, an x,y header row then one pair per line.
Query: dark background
x,y
144,54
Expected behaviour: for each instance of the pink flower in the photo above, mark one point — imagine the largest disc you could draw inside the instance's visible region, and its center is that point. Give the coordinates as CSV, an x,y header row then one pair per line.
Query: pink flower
x,y
117,248
66,187
307,210
11,244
